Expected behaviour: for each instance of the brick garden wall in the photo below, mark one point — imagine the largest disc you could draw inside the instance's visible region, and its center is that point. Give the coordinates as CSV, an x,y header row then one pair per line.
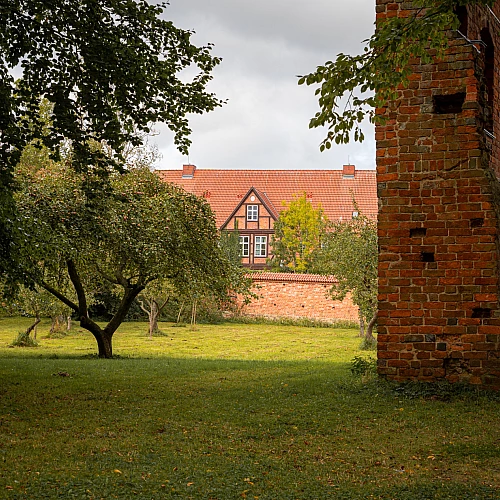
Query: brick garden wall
x,y
439,315
297,296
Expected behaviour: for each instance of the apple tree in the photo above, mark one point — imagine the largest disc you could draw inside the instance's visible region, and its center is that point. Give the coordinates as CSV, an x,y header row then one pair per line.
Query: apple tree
x,y
138,231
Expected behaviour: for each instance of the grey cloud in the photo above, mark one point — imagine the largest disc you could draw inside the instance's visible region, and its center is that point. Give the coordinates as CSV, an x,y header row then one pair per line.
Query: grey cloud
x,y
264,45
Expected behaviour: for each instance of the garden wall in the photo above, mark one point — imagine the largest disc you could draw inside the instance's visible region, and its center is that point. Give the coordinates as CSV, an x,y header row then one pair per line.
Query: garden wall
x,y
284,295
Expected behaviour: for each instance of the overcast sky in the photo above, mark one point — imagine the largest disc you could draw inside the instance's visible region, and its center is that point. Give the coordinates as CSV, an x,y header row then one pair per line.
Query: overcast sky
x,y
265,44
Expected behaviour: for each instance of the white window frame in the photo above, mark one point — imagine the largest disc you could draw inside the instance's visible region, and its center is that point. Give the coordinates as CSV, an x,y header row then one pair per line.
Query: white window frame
x,y
244,246
252,213
260,246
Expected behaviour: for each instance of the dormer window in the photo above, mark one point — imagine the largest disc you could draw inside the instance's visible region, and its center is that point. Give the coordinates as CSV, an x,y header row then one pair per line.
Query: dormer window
x,y
252,212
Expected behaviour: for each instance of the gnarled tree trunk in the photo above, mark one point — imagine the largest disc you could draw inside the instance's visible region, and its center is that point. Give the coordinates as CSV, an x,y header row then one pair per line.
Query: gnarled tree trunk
x,y
33,327
105,348
103,337
371,325
361,325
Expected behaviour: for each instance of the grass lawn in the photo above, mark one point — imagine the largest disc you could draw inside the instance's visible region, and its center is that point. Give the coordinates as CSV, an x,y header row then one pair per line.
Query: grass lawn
x,y
232,411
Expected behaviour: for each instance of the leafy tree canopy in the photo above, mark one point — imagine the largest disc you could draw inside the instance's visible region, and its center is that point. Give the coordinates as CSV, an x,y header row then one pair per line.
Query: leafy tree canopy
x,y
353,86
350,253
109,68
297,235
140,231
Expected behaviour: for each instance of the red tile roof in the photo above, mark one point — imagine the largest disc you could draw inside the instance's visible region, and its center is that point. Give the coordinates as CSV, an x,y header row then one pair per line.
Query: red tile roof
x,y
224,189
291,277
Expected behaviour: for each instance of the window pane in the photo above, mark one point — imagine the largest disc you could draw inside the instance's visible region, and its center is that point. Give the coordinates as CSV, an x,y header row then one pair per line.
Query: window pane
x,y
260,246
244,246
252,212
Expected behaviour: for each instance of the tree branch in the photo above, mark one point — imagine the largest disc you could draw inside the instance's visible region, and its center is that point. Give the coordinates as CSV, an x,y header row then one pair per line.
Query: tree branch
x,y
58,295
127,299
80,292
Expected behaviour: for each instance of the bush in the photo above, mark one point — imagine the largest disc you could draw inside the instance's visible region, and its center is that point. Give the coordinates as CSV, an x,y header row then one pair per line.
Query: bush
x,y
24,339
368,344
362,367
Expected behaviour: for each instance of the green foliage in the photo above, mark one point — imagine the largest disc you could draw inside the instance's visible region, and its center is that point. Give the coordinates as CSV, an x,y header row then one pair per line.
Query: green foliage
x,y
37,302
115,66
24,339
107,301
107,69
298,233
83,235
352,87
368,344
230,245
350,253
362,366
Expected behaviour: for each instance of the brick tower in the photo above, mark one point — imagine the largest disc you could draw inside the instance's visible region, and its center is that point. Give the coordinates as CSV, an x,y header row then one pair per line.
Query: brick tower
x,y
438,164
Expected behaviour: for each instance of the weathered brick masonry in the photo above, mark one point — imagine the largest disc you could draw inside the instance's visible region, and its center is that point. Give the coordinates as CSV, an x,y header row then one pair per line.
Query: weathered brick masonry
x,y
437,169
297,296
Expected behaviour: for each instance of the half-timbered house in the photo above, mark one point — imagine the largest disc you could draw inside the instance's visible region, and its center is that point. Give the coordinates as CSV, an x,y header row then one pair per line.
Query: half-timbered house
x,y
250,201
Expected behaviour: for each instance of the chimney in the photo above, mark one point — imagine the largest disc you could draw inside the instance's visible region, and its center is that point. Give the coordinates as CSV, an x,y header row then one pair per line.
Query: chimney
x,y
348,171
188,171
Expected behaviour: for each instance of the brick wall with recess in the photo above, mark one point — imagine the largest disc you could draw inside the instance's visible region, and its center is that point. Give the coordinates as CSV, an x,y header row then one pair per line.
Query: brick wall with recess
x,y
439,204
283,295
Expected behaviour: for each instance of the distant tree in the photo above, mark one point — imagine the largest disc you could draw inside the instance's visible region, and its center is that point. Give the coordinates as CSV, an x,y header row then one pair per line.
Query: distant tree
x,y
230,245
37,302
109,69
352,87
31,303
137,232
153,300
298,233
350,254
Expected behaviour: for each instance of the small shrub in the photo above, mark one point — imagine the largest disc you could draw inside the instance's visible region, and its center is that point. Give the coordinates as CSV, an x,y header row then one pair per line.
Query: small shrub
x,y
362,367
24,339
368,344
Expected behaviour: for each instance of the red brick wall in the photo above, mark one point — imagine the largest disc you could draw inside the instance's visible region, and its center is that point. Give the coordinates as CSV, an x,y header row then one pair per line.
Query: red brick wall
x,y
297,296
439,315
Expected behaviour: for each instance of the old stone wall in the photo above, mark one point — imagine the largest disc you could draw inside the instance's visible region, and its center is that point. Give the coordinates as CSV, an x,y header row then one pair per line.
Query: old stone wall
x,y
437,167
283,295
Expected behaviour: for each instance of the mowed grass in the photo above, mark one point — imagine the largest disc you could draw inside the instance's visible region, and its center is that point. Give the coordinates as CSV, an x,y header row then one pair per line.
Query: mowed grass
x,y
231,411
